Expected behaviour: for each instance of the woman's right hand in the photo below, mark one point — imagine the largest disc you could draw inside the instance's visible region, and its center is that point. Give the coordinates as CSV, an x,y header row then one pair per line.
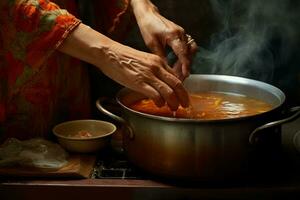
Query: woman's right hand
x,y
146,73
140,71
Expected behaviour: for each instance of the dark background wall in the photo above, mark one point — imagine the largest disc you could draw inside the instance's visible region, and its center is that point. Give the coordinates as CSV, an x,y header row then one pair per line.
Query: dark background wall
x,y
195,16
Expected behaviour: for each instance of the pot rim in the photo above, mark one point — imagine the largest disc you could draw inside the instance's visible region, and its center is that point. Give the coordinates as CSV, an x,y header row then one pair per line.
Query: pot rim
x,y
209,76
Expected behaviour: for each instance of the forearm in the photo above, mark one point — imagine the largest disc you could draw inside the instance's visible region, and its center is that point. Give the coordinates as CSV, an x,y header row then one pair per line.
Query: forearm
x,y
140,7
95,48
87,44
140,71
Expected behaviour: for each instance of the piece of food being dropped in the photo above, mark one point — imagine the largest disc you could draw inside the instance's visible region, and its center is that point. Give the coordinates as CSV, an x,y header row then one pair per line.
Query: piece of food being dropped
x,y
207,106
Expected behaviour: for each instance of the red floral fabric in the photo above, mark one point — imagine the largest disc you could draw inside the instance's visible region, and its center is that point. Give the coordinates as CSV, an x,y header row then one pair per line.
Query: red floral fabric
x,y
40,86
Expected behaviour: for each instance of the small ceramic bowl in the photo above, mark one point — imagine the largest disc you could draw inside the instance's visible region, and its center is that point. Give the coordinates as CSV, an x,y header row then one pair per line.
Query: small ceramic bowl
x,y
84,136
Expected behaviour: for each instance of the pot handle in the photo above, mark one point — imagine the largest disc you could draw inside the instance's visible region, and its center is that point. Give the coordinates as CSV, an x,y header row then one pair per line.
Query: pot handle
x,y
99,105
295,114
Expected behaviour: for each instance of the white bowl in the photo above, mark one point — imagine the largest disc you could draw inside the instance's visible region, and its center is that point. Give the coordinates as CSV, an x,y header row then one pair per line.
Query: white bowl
x,y
96,135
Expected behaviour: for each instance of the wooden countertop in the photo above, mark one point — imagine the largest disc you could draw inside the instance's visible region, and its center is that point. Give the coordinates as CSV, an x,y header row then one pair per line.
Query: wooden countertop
x,y
286,187
138,189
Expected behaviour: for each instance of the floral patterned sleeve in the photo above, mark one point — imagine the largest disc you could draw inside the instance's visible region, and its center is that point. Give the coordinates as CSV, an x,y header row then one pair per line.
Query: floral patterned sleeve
x,y
31,30
39,86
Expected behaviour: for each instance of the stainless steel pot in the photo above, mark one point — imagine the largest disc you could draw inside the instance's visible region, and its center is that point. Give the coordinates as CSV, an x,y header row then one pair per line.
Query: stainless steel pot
x,y
200,149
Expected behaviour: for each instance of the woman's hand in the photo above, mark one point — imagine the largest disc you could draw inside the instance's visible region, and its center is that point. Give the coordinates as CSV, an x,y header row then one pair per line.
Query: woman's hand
x,y
143,72
146,73
158,32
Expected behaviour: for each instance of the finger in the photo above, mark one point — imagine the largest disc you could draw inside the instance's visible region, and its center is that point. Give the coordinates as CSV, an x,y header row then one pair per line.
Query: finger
x,y
185,69
180,48
152,93
166,92
176,85
177,68
193,48
158,49
172,70
181,71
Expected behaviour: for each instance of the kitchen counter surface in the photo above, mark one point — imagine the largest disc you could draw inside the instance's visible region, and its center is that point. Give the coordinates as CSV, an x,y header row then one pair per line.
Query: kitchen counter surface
x,y
142,189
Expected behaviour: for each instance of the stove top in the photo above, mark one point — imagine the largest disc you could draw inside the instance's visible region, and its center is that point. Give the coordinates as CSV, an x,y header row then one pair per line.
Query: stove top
x,y
114,165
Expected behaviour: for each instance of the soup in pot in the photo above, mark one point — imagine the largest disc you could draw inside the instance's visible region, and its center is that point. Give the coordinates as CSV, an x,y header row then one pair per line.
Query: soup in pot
x,y
207,106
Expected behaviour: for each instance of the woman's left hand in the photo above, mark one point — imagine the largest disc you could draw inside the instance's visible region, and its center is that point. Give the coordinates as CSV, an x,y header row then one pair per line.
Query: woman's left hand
x,y
157,32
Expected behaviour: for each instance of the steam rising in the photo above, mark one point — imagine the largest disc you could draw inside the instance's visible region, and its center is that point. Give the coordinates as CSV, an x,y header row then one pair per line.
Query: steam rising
x,y
256,36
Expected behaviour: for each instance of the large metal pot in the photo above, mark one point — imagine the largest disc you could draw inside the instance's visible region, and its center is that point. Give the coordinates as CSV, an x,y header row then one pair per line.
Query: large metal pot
x,y
201,149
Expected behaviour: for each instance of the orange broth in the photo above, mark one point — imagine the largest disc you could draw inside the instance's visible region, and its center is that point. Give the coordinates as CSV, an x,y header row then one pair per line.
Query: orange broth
x,y
207,106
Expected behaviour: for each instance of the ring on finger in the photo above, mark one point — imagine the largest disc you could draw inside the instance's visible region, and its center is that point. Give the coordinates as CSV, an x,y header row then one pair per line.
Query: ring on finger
x,y
189,39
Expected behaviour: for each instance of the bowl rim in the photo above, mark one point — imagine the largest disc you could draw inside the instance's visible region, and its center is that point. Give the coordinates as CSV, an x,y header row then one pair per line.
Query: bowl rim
x,y
85,120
